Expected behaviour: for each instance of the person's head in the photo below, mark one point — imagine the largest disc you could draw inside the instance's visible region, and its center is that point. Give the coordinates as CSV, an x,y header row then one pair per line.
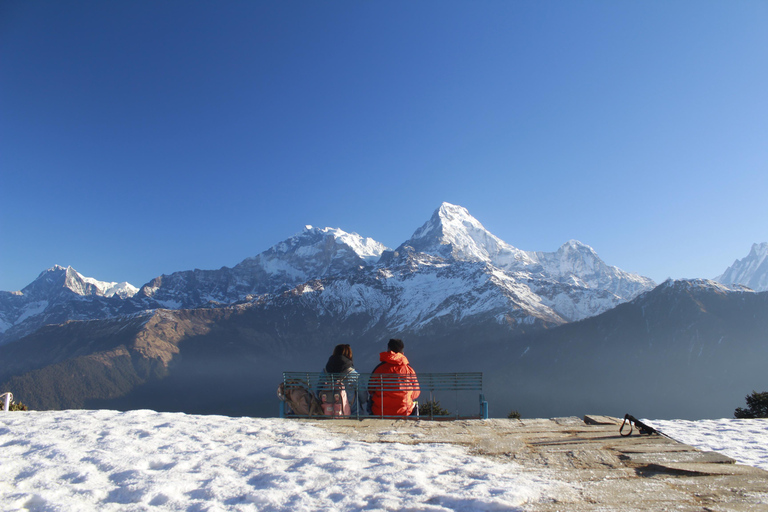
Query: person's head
x,y
343,350
396,346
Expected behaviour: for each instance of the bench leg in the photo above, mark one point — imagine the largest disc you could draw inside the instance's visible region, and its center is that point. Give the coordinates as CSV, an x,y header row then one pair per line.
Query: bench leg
x,y
483,407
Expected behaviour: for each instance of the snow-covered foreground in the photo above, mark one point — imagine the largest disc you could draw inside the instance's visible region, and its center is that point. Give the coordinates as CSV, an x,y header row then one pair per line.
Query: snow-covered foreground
x,y
746,441
144,460
140,460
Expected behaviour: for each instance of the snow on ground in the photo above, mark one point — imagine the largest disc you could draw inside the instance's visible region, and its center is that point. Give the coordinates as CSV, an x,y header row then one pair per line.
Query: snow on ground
x,y
142,460
746,441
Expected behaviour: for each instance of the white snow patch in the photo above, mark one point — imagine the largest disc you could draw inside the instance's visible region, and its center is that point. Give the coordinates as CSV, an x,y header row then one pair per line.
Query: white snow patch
x,y
123,290
275,266
170,304
746,441
32,309
110,461
306,288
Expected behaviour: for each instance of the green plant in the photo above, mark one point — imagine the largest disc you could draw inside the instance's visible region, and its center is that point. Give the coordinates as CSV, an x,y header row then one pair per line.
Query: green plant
x,y
757,406
432,408
513,415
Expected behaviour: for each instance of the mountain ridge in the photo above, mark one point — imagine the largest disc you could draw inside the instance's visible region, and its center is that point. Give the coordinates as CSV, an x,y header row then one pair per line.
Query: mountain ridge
x,y
686,349
552,287
751,271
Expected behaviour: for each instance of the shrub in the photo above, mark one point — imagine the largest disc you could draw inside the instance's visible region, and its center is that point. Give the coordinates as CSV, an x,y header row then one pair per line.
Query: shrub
x,y
15,406
432,408
513,415
757,406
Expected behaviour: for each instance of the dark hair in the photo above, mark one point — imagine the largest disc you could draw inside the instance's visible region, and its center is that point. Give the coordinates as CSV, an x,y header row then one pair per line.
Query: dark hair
x,y
343,350
396,345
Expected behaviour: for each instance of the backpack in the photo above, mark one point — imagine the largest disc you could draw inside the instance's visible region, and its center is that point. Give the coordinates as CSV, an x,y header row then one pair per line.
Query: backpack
x,y
301,401
333,397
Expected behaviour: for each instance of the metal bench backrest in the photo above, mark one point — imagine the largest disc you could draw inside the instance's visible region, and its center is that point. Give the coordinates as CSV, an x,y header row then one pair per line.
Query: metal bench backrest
x,y
430,385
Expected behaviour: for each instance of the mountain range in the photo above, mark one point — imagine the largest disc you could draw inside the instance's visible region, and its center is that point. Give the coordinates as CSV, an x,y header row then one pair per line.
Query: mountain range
x,y
216,340
59,295
451,266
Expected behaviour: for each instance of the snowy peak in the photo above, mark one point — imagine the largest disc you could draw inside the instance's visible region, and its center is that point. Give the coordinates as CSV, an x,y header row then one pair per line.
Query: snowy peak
x,y
578,264
48,282
367,249
124,290
316,252
751,271
313,253
57,295
57,279
82,285
573,258
452,233
576,247
449,223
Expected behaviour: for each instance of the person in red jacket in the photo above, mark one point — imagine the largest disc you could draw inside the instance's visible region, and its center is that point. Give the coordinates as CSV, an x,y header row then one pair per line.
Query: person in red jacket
x,y
393,386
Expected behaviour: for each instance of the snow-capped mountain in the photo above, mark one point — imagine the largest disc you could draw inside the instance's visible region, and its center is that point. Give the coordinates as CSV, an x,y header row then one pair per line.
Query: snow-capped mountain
x,y
59,280
311,254
573,281
57,295
452,233
751,271
412,296
451,271
578,264
314,253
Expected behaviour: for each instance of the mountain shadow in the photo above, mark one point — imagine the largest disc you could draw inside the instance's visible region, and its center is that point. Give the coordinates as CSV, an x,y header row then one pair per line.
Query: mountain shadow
x,y
687,349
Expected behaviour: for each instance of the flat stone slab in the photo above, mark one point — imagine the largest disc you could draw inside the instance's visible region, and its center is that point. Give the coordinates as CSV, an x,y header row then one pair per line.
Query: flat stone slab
x,y
653,448
597,469
592,419
670,457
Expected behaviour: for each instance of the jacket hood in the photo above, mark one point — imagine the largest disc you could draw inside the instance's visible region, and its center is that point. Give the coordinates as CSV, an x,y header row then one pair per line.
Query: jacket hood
x,y
338,364
395,358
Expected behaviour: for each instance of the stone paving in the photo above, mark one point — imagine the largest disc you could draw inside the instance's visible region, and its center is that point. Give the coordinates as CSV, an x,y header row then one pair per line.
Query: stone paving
x,y
599,469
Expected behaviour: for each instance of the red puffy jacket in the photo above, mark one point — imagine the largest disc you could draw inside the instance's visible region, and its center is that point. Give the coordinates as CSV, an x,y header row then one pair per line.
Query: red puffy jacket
x,y
393,386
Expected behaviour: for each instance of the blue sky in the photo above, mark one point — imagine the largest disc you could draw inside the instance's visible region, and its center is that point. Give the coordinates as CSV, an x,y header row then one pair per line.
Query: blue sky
x,y
142,138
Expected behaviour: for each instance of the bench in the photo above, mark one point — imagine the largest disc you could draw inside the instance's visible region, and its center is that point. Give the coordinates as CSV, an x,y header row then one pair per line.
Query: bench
x,y
459,387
